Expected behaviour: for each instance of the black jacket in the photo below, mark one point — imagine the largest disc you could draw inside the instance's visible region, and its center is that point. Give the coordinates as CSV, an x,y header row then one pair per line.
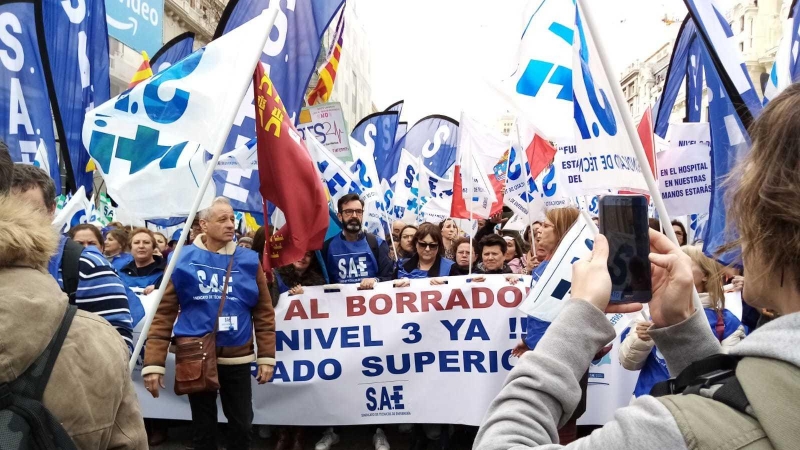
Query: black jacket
x,y
481,270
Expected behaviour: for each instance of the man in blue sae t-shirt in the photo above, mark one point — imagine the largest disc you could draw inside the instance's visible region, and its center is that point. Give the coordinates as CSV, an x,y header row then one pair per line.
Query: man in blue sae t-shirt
x,y
356,256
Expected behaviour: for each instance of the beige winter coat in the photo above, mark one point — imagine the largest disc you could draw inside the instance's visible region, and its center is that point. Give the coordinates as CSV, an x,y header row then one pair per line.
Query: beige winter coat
x,y
90,390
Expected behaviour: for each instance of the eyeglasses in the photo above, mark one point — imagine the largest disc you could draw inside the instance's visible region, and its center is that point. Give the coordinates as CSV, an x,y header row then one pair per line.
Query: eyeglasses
x,y
353,212
428,245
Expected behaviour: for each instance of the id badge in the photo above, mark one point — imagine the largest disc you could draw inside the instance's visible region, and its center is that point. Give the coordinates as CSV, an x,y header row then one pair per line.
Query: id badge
x,y
228,323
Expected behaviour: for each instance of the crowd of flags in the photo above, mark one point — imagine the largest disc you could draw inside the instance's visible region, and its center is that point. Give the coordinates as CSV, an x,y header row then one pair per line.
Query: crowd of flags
x,y
439,167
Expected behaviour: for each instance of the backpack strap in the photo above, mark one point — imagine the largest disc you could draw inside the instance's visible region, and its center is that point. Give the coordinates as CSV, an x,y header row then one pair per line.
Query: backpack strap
x,y
70,268
700,374
33,382
372,241
23,396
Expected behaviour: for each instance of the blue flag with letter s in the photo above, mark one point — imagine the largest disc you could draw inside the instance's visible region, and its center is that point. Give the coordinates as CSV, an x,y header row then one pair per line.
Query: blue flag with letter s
x,y
290,58
77,49
26,125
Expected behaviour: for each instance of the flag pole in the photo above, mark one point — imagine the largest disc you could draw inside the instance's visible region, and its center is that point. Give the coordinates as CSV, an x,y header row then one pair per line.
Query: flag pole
x,y
217,147
641,156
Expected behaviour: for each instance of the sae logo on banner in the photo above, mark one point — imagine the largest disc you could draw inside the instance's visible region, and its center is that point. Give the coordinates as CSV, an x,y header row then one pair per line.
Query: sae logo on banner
x,y
136,23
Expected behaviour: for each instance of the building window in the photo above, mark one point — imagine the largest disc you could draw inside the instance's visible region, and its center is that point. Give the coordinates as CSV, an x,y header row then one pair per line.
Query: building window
x,y
741,24
741,46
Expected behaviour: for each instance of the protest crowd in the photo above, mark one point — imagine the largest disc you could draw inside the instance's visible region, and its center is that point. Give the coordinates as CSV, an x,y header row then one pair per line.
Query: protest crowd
x,y
410,296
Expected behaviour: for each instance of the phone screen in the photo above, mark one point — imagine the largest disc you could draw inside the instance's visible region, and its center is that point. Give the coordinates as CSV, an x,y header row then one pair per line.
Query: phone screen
x,y
623,221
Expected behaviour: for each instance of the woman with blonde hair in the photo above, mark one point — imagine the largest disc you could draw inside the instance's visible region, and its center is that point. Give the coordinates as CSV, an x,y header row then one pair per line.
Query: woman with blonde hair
x,y
638,351
555,226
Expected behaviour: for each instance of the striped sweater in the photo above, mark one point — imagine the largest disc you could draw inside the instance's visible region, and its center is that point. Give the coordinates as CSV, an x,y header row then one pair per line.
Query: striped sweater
x,y
100,290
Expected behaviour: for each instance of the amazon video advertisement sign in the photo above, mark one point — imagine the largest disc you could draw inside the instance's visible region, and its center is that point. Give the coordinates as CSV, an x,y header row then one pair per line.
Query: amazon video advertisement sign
x,y
138,24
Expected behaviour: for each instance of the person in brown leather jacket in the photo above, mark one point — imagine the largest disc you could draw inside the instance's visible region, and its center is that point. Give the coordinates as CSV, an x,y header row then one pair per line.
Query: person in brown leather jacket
x,y
194,289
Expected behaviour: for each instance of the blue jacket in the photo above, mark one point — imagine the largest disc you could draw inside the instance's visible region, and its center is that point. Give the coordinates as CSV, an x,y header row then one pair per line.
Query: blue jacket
x,y
655,367
121,260
442,267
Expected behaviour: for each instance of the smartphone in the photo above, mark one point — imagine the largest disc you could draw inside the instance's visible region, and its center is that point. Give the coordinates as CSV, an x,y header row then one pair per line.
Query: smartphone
x,y
623,221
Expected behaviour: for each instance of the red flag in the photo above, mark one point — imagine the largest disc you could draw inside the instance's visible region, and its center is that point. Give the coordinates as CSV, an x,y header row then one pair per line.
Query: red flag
x,y
540,154
645,131
288,178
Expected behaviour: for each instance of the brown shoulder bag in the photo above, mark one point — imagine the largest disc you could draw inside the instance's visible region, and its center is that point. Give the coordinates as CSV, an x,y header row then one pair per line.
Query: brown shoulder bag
x,y
196,357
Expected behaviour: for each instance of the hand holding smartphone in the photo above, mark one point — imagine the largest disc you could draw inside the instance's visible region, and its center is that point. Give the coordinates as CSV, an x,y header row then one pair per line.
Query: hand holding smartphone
x,y
623,221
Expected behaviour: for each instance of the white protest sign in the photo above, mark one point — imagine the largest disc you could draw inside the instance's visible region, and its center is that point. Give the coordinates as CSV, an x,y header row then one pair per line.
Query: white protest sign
x,y
685,134
610,385
548,295
684,178
733,303
325,122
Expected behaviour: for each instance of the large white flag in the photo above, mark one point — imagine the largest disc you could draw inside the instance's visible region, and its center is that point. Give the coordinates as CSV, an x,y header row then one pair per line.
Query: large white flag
x,y
605,158
541,87
76,211
150,142
481,165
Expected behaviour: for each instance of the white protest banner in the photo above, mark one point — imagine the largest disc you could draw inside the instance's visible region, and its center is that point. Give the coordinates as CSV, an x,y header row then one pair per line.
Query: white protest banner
x,y
610,384
685,134
685,179
546,298
325,122
381,356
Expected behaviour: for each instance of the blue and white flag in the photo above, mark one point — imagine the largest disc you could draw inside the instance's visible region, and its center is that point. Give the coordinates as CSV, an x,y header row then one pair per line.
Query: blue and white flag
x,y
173,51
290,58
733,105
433,140
605,155
694,82
541,86
716,33
678,70
76,210
376,133
26,125
730,142
786,68
357,177
402,129
396,107
77,46
150,142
